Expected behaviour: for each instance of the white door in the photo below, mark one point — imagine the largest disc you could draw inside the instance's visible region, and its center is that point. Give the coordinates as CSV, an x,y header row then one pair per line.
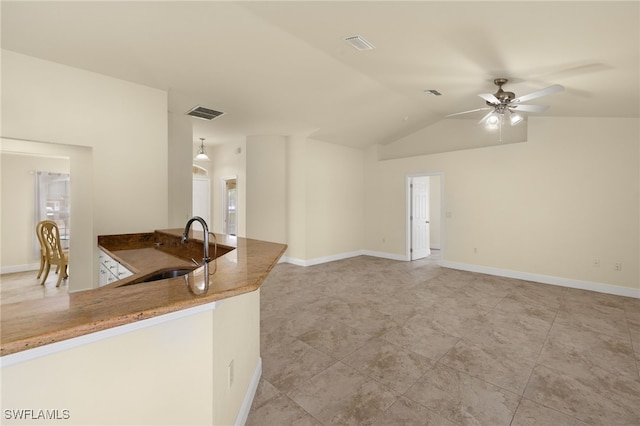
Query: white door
x,y
201,201
420,244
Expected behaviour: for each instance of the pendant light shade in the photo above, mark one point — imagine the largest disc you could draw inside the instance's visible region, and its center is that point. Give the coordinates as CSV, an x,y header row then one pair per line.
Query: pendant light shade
x,y
202,154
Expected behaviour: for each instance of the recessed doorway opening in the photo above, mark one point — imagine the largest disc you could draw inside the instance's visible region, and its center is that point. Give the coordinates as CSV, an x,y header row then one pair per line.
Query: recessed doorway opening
x,y
230,205
424,232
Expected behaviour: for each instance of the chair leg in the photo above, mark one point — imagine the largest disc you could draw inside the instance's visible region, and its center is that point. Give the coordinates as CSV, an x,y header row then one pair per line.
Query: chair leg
x,y
42,262
61,275
46,274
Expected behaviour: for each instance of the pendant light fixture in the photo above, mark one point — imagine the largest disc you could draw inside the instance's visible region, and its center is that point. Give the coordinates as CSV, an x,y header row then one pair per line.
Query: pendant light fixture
x,y
202,154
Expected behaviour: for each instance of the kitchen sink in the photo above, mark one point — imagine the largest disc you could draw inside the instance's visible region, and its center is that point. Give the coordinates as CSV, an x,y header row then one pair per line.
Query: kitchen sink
x,y
160,275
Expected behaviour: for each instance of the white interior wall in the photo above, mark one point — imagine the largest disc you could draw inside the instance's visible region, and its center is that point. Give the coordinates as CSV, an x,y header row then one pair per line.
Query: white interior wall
x,y
297,198
266,188
179,169
435,211
549,206
123,124
334,200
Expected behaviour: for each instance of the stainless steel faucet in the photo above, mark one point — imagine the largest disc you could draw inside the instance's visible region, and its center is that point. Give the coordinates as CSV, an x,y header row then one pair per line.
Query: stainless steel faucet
x,y
205,259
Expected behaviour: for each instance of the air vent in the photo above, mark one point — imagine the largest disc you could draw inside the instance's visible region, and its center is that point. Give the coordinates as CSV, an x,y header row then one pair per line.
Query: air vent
x,y
204,113
359,43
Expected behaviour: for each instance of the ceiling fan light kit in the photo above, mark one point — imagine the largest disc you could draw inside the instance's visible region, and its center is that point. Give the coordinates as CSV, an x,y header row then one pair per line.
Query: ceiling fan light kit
x,y
505,106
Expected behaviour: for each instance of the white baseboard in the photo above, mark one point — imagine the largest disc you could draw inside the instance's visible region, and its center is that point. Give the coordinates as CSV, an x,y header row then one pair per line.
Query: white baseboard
x,y
383,255
319,260
545,279
243,414
341,256
19,268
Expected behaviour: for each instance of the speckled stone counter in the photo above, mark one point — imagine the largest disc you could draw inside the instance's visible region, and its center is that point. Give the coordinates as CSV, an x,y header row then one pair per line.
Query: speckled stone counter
x,y
241,269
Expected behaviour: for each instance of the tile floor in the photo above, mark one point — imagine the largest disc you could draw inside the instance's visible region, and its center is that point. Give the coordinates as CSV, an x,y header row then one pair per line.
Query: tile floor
x,y
21,286
368,341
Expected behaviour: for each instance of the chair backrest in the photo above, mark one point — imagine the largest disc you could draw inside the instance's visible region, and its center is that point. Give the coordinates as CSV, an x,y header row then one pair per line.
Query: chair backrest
x,y
51,238
43,244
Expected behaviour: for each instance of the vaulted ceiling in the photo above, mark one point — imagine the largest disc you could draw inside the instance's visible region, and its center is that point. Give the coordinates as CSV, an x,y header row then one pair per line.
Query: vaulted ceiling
x,y
284,67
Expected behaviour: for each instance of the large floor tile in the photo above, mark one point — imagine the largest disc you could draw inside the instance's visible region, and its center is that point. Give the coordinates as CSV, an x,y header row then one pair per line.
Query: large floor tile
x,y
530,413
406,412
264,393
292,362
521,335
335,339
359,316
599,317
463,399
281,411
576,351
417,336
602,399
389,364
510,372
341,395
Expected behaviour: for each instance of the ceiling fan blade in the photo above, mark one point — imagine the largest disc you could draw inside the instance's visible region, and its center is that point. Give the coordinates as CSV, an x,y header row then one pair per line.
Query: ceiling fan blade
x,y
467,112
528,108
486,117
544,92
489,97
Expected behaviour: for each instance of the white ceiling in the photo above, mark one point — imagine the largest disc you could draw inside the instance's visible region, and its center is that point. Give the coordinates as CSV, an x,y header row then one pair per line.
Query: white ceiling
x,y
284,67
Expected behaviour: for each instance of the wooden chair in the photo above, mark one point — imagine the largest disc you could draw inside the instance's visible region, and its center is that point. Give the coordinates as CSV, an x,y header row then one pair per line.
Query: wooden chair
x,y
43,247
55,255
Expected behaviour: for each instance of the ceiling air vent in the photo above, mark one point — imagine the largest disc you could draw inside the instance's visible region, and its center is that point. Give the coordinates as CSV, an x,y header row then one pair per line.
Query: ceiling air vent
x,y
204,113
359,43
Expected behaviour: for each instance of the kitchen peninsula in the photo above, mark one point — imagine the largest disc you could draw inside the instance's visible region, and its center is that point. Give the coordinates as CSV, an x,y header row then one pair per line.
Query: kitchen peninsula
x,y
148,352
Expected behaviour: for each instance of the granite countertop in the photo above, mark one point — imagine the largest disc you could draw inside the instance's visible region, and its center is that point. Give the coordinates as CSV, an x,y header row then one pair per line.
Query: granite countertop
x,y
241,269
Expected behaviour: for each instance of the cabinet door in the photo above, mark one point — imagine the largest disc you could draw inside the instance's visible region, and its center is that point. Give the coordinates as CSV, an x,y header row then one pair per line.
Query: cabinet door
x,y
103,275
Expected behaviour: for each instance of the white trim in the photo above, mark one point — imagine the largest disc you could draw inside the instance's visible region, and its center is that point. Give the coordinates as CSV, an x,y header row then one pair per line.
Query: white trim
x,y
245,408
324,259
64,345
546,279
341,256
392,256
19,268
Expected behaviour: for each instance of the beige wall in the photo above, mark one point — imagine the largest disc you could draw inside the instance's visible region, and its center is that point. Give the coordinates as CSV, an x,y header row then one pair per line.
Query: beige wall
x,y
18,243
297,221
171,373
123,124
435,211
334,199
179,165
549,206
266,213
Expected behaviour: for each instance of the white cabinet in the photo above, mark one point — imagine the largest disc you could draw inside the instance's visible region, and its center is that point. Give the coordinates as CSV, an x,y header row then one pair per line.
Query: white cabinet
x,y
110,269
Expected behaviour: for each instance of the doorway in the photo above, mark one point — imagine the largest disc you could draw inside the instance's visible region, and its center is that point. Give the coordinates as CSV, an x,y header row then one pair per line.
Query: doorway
x,y
424,212
230,206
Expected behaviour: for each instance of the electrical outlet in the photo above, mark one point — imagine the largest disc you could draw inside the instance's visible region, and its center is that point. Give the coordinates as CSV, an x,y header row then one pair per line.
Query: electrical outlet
x,y
230,373
617,266
596,263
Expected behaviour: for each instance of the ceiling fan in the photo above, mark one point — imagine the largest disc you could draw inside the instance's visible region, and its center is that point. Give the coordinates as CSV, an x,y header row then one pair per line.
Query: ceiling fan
x,y
505,106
